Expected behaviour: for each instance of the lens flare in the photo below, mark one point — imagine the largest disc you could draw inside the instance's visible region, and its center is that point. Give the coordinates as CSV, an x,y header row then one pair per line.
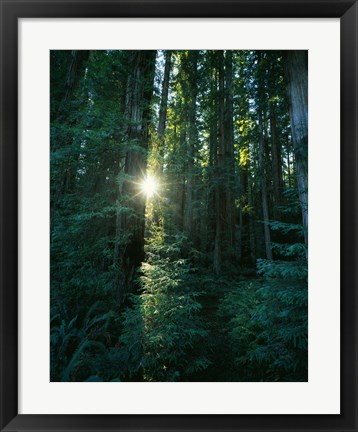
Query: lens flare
x,y
149,186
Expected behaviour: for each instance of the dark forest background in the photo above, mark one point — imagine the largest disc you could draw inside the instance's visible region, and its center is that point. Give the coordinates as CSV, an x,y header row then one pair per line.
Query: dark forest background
x,y
178,215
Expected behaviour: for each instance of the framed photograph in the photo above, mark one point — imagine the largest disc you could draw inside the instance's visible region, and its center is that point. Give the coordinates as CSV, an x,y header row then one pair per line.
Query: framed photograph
x,y
178,215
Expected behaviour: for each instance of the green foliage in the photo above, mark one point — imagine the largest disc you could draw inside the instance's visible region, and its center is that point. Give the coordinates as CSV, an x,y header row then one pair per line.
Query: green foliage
x,y
72,341
284,227
163,334
268,330
282,269
268,318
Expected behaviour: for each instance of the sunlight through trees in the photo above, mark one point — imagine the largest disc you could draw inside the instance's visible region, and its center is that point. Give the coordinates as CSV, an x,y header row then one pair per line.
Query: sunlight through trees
x,y
179,215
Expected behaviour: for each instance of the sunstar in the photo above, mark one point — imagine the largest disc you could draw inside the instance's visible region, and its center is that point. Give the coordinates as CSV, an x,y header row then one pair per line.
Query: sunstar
x,y
149,186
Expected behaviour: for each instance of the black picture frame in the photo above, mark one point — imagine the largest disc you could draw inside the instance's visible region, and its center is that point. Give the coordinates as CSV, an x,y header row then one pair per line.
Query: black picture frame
x,y
11,10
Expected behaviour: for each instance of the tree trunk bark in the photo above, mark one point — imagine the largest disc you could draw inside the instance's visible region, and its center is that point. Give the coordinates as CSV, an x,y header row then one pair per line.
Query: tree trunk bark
x,y
163,109
296,70
129,248
288,155
252,236
192,62
229,155
213,144
276,164
265,211
220,190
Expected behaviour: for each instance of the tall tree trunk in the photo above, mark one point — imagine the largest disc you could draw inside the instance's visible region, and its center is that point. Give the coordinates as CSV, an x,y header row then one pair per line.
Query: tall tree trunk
x,y
220,195
252,236
276,164
182,197
288,155
129,248
265,210
213,145
241,193
296,69
163,108
76,70
191,65
229,155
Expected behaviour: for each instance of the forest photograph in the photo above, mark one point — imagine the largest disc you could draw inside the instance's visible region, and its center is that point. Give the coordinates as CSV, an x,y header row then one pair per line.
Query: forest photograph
x,y
178,216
